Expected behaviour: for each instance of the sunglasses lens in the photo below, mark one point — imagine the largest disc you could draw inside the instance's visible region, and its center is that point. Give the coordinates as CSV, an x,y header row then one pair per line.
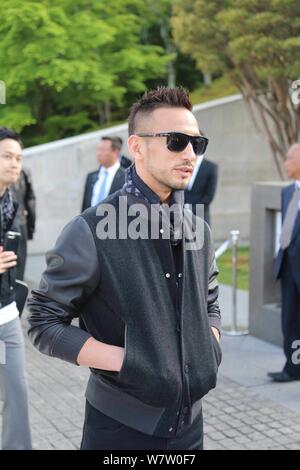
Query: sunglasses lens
x,y
199,145
177,142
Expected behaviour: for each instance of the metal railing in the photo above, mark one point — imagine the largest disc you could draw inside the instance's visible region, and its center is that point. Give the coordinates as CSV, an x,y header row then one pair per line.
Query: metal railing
x,y
232,242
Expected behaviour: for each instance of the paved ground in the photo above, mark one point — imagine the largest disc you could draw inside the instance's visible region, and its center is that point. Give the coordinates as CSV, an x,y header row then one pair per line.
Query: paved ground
x,y
245,411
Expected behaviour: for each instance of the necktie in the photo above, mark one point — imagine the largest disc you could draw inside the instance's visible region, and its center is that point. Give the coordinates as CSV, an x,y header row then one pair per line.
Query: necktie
x,y
290,219
102,190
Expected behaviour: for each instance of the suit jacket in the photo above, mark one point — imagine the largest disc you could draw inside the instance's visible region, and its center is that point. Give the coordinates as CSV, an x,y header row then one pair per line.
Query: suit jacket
x,y
204,187
293,250
91,179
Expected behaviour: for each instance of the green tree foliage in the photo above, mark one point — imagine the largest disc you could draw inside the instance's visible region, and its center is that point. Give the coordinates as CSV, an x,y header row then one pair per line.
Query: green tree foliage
x,y
66,63
257,43
157,29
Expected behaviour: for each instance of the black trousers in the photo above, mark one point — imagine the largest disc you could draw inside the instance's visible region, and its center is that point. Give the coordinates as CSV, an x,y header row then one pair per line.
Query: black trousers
x,y
290,317
103,433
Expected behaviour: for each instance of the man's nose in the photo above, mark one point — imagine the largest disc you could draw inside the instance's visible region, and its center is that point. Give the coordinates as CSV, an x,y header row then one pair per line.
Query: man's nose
x,y
188,152
15,164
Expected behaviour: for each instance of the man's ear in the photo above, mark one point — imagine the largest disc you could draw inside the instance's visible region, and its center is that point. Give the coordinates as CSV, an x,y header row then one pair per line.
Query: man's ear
x,y
134,146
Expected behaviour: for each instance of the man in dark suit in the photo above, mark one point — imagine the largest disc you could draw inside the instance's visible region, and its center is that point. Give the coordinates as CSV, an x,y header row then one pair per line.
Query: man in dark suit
x,y
109,178
287,269
202,185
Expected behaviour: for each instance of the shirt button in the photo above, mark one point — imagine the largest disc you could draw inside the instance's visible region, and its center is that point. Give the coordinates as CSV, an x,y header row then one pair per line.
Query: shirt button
x,y
186,368
170,429
179,274
168,275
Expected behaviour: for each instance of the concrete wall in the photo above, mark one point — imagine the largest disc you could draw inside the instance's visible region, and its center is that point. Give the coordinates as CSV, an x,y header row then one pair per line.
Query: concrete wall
x,y
59,170
243,157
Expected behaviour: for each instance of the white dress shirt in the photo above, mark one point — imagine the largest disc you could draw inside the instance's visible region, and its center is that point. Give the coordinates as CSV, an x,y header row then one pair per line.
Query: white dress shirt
x,y
112,170
298,184
195,171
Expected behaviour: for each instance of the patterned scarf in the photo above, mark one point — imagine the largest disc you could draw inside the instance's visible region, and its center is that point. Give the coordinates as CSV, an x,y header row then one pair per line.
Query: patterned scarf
x,y
8,210
135,185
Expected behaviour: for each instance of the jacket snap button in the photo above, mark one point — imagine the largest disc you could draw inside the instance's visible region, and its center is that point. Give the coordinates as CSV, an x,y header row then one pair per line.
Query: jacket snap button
x,y
170,429
168,275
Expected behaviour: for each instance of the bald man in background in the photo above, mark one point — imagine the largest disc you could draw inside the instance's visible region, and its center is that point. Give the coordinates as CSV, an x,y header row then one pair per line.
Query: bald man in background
x,y
287,269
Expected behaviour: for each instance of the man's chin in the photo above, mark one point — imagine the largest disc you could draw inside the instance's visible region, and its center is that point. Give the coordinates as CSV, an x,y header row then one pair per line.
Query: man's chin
x,y
183,184
14,180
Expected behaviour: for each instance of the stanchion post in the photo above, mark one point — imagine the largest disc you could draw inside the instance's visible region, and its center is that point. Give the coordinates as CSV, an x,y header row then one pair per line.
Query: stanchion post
x,y
234,234
234,245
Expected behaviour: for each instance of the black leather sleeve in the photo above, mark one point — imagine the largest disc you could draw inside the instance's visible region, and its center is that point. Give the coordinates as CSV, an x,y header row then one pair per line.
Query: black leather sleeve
x,y
214,314
71,276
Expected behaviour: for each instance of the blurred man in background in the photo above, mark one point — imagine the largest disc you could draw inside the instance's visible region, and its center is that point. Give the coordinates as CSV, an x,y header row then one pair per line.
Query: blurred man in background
x,y
287,269
202,186
109,178
124,161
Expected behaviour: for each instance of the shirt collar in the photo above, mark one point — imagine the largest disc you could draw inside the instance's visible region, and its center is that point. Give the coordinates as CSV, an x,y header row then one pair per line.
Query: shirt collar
x,y
177,196
111,169
199,161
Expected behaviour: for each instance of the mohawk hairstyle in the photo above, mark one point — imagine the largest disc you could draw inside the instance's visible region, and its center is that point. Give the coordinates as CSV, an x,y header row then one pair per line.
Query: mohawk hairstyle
x,y
161,97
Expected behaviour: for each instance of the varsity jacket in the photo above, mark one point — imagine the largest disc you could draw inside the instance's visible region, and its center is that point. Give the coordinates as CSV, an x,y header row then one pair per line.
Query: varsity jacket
x,y
129,293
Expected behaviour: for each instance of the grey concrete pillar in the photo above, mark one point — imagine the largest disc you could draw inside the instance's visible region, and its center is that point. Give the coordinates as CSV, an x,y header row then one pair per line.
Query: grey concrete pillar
x,y
264,294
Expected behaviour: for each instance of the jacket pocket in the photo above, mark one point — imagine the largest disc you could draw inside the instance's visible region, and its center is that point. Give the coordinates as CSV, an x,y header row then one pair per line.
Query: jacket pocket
x,y
125,371
124,374
112,374
125,359
217,349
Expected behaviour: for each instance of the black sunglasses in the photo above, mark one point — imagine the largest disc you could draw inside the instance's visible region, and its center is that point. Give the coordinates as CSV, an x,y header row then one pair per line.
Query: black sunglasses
x,y
177,142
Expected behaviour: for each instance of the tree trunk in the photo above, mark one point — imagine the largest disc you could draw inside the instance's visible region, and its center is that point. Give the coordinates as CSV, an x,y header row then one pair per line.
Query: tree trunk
x,y
276,116
207,78
171,75
170,49
107,112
